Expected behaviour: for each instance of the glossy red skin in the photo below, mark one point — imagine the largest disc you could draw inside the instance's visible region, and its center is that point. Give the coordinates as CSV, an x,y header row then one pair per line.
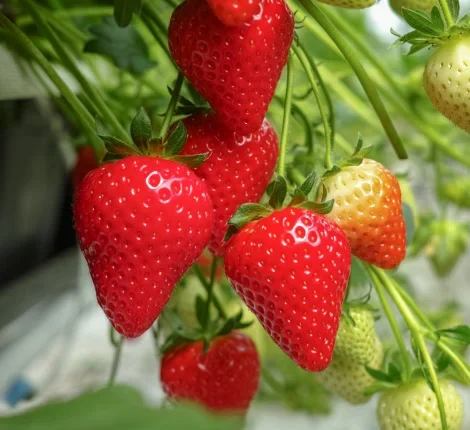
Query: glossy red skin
x,y
292,269
235,12
225,379
86,161
238,170
236,69
141,222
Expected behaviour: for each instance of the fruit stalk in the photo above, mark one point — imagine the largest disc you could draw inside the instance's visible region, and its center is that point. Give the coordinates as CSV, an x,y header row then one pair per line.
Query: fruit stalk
x,y
205,284
361,74
446,12
210,295
116,359
287,117
171,107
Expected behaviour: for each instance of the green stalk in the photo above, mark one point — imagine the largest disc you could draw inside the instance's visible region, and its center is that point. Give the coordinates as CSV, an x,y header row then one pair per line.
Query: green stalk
x,y
156,33
172,106
205,284
83,116
75,12
210,295
287,117
446,12
300,53
458,362
93,93
116,360
361,73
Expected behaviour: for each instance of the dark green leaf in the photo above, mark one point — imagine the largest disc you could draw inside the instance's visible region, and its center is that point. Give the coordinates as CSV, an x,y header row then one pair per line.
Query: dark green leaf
x,y
191,161
176,140
117,147
417,47
379,375
394,372
378,388
109,158
100,128
124,46
441,359
201,310
460,333
309,183
123,10
279,192
181,99
437,20
419,21
319,208
141,129
359,277
245,214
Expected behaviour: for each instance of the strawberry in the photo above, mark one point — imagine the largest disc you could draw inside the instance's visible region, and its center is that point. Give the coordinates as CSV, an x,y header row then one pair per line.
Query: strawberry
x,y
457,191
356,339
86,161
291,268
421,5
350,4
368,208
236,69
414,406
348,379
235,12
141,223
238,170
446,79
224,379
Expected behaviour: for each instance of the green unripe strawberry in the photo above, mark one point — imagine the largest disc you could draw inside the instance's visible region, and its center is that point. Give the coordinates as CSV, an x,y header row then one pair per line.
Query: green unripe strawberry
x,y
349,379
350,4
356,339
422,5
457,191
446,79
414,407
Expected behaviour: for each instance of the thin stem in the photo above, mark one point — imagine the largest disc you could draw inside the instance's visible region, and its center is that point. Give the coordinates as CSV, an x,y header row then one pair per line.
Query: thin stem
x,y
301,55
210,294
205,284
446,12
408,365
458,362
156,33
116,360
75,12
172,106
367,84
287,117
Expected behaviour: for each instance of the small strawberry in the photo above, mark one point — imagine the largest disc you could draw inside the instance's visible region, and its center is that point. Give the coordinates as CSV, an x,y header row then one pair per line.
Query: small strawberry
x,y
86,161
235,12
356,339
368,208
446,80
236,69
291,268
224,379
414,406
457,191
348,379
350,4
238,169
421,5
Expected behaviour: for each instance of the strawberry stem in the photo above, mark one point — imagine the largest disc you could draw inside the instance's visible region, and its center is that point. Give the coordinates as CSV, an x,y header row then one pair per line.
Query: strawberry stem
x,y
287,117
210,295
446,12
116,359
364,79
172,106
205,284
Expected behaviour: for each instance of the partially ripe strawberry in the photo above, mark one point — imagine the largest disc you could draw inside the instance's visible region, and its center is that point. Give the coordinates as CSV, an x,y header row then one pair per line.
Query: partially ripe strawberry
x,y
368,207
446,81
356,339
236,69
414,406
421,5
141,222
224,379
350,4
238,169
291,269
86,161
235,12
348,379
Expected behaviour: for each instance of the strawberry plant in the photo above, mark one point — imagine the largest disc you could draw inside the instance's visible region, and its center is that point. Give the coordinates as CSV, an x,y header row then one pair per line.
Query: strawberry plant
x,y
268,190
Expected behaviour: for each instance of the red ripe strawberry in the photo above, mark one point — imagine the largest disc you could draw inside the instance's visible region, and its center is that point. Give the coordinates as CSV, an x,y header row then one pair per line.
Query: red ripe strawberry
x,y
238,170
141,223
292,269
235,12
224,379
368,207
236,69
86,161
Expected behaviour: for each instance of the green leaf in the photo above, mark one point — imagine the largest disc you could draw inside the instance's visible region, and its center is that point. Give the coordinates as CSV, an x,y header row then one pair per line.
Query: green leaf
x,y
437,20
117,147
245,214
115,408
394,372
319,208
124,46
141,129
454,6
359,277
201,310
379,375
181,99
419,21
409,222
123,10
460,333
309,183
191,161
279,192
176,140
380,387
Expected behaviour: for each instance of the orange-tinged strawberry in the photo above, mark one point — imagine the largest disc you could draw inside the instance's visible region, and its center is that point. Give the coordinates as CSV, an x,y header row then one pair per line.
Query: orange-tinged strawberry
x,y
368,207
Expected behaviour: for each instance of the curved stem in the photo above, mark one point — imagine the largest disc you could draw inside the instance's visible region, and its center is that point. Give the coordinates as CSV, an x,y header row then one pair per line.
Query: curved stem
x,y
172,106
361,73
446,12
287,117
458,362
205,284
210,294
116,360
301,55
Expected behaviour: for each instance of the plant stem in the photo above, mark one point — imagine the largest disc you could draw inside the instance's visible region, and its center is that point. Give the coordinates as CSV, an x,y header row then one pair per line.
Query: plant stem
x,y
25,20
361,73
171,107
458,362
205,284
306,64
407,364
287,117
116,360
210,294
446,12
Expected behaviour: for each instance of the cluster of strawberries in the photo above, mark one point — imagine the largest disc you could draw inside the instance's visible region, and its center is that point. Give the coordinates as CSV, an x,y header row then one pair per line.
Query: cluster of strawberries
x,y
144,217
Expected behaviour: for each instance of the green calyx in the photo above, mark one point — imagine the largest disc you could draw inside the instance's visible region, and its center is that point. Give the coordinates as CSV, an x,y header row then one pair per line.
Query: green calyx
x,y
432,29
143,144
